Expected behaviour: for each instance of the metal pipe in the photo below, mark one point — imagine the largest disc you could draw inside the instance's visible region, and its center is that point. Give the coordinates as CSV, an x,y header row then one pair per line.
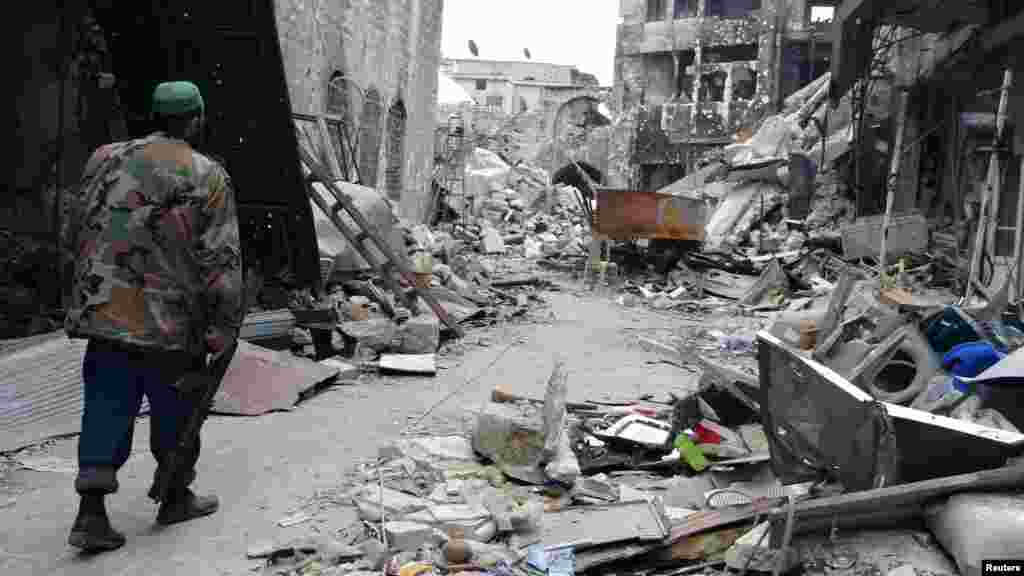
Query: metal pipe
x,y
1001,116
894,171
1018,240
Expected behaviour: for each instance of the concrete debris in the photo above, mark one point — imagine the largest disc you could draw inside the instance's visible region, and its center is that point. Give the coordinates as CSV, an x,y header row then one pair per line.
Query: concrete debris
x,y
377,334
491,242
907,235
420,335
404,536
956,523
512,435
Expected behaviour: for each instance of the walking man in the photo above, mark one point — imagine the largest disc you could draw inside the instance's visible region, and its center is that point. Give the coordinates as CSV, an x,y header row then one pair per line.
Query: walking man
x,y
156,286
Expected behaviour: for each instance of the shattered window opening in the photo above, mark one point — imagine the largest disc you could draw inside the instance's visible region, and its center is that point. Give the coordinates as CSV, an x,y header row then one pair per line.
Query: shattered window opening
x,y
337,95
735,53
712,86
481,84
744,83
369,138
395,151
685,8
822,13
731,8
655,10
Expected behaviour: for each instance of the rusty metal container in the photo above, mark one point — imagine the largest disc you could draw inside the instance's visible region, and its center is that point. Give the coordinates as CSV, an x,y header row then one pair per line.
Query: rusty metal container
x,y
632,214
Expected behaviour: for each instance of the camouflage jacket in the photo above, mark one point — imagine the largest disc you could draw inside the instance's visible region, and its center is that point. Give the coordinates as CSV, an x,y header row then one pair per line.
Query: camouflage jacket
x,y
153,235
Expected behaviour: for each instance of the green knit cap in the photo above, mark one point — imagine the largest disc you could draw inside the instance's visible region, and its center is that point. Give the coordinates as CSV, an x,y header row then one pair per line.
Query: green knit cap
x,y
176,98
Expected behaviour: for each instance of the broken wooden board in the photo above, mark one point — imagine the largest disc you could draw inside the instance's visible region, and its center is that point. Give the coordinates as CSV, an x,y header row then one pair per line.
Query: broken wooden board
x,y
605,524
699,546
895,504
422,364
836,304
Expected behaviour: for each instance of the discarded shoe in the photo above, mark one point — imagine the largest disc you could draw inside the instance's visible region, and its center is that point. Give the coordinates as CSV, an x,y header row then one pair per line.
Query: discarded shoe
x,y
186,506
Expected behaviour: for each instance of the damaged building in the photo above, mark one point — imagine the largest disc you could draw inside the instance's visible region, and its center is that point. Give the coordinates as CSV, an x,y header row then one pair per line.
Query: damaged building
x,y
88,72
516,86
954,66
695,72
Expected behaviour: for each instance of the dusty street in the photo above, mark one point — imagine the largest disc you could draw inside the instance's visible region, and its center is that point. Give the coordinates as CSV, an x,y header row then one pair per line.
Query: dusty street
x,y
267,468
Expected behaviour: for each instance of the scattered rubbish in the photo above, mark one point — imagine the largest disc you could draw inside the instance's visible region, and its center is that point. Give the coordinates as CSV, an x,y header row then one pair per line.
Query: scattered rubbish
x,y
606,524
48,464
294,520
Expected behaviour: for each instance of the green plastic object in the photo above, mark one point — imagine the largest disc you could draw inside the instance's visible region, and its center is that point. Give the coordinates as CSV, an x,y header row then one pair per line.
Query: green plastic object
x,y
690,453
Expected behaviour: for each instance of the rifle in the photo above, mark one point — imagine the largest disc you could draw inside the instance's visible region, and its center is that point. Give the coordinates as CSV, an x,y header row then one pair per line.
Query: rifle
x,y
207,382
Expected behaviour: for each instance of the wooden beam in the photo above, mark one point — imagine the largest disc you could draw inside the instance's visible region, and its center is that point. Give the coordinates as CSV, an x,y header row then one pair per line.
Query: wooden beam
x,y
900,501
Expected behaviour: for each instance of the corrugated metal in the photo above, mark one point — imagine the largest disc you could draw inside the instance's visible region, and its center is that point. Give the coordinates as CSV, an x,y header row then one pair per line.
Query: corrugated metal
x,y
40,389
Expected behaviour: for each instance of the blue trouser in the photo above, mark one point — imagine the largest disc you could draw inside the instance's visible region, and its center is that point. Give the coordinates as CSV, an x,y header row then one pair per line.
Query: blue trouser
x,y
116,376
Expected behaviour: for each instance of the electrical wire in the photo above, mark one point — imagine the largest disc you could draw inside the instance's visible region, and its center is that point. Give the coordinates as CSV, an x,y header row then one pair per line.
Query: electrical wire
x,y
459,388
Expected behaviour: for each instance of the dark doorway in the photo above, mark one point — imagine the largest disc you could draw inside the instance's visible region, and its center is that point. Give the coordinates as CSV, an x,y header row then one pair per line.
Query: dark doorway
x,y
249,125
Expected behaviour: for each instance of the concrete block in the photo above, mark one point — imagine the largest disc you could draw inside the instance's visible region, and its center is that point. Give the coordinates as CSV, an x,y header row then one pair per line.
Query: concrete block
x,y
420,334
491,241
512,435
376,333
907,235
459,521
375,553
404,536
396,504
430,449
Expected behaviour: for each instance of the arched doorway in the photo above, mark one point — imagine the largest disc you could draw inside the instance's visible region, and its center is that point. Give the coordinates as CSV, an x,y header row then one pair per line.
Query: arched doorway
x,y
569,175
395,151
369,137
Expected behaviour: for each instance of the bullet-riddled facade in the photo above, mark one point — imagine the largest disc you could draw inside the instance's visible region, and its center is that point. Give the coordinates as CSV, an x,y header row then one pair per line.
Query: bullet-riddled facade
x,y
696,72
383,57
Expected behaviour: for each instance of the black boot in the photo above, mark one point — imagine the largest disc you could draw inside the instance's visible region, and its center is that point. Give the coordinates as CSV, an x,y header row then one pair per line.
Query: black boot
x,y
92,531
183,505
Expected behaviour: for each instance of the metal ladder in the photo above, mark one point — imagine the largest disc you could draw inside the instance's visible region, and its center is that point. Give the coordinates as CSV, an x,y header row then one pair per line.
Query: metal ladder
x,y
314,172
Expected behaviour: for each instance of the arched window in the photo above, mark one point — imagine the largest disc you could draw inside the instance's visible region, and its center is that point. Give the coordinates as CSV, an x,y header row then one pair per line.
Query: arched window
x,y
369,138
337,95
395,151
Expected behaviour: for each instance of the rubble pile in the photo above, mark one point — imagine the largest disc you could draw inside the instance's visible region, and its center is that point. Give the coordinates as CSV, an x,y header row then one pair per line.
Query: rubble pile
x,y
513,210
658,486
778,190
26,286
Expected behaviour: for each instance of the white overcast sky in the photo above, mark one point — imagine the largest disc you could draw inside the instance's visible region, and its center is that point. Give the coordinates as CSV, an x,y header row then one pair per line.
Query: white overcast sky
x,y
576,32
